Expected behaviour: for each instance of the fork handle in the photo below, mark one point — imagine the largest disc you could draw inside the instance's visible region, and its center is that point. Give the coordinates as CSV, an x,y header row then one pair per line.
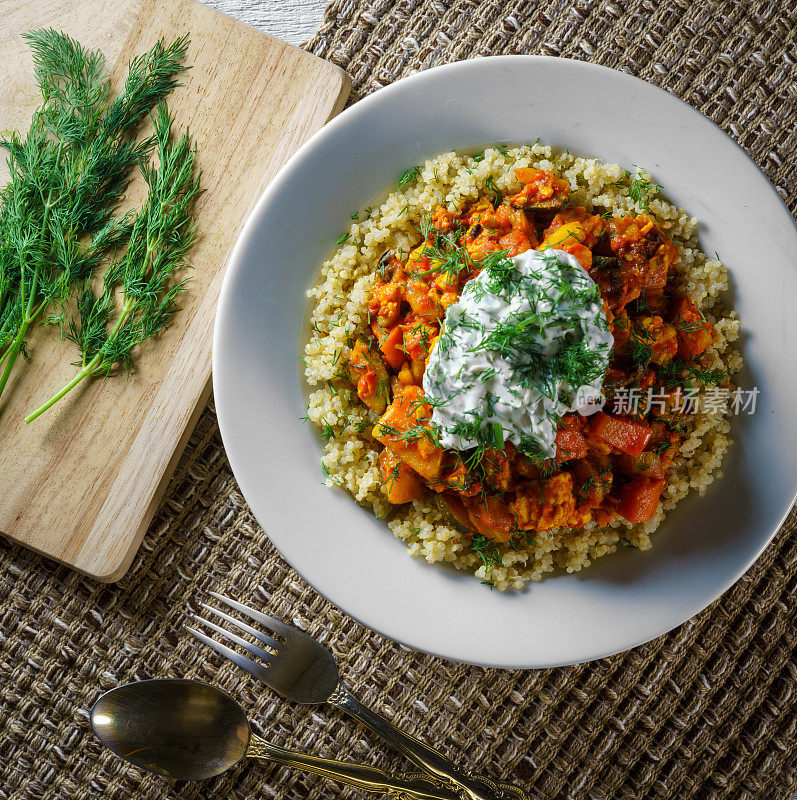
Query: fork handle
x,y
427,758
370,779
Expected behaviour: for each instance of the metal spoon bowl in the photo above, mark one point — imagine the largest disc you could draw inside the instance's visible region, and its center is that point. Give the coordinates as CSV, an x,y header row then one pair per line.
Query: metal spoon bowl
x,y
191,730
177,728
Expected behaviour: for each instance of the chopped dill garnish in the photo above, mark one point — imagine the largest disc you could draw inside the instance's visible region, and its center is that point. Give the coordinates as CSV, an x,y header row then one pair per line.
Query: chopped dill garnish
x,y
344,237
640,351
514,339
491,186
409,177
577,364
642,191
487,550
678,372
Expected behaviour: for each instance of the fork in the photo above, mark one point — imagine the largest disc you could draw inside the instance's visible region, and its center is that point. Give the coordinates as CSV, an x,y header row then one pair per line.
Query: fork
x,y
301,669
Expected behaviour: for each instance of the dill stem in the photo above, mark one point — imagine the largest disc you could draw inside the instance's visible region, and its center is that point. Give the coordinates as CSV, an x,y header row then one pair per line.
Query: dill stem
x,y
84,373
16,345
87,370
12,352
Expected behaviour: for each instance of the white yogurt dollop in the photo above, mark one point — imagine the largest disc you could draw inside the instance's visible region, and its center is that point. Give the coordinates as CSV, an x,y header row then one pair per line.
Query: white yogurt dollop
x,y
526,342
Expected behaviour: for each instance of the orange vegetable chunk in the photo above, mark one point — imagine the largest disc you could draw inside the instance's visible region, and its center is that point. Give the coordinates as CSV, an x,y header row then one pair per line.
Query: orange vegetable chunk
x,y
402,484
639,499
403,430
490,517
693,330
570,444
625,435
392,347
367,372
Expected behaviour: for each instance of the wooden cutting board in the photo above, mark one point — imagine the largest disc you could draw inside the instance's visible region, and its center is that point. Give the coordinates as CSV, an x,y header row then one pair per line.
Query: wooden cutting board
x,y
81,483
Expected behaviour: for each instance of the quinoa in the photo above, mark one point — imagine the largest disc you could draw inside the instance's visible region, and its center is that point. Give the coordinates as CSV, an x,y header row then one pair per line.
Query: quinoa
x,y
340,315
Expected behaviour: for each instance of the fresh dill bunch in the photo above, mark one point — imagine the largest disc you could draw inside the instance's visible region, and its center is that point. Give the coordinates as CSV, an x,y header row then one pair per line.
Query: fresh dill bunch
x,y
107,331
68,176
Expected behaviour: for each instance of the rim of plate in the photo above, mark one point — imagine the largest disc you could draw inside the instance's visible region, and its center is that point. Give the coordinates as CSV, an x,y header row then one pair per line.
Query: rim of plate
x,y
236,263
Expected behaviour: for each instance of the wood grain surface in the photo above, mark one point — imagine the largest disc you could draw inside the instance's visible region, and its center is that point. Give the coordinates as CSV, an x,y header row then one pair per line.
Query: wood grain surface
x,y
81,483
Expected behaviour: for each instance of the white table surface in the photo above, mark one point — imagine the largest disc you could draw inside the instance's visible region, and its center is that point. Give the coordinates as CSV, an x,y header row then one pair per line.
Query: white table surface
x,y
293,21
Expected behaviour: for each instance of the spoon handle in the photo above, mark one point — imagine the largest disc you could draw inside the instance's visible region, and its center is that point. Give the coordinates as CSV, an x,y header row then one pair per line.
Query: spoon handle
x,y
433,762
369,779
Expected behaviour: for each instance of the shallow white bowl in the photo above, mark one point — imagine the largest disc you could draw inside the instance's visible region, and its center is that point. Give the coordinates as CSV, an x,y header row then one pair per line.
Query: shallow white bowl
x,y
624,599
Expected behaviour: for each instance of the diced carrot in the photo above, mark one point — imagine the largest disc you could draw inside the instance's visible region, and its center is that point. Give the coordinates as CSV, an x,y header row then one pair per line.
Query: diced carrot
x,y
694,331
570,444
392,347
639,499
625,435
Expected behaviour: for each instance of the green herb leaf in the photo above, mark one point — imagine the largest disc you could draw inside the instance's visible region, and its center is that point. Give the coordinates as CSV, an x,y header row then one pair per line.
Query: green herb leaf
x,y
161,234
68,176
409,177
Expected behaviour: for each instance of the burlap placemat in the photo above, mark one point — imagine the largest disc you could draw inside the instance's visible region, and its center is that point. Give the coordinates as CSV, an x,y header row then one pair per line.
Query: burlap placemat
x,y
707,711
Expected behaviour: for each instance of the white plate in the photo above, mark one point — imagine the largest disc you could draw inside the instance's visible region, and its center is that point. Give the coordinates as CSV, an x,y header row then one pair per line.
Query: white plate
x,y
624,599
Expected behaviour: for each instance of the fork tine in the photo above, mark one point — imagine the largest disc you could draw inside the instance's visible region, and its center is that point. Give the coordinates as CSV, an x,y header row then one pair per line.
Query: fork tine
x,y
252,649
252,667
267,640
276,625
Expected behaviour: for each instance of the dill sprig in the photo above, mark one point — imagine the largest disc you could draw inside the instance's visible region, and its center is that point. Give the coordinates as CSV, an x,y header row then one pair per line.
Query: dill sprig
x,y
487,551
678,372
68,176
161,234
641,190
409,177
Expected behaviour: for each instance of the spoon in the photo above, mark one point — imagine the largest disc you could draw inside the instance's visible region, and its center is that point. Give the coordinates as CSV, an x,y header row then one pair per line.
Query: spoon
x,y
191,730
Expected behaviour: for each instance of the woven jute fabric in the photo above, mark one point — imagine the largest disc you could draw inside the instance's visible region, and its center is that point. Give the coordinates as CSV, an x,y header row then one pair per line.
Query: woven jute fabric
x,y
706,711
